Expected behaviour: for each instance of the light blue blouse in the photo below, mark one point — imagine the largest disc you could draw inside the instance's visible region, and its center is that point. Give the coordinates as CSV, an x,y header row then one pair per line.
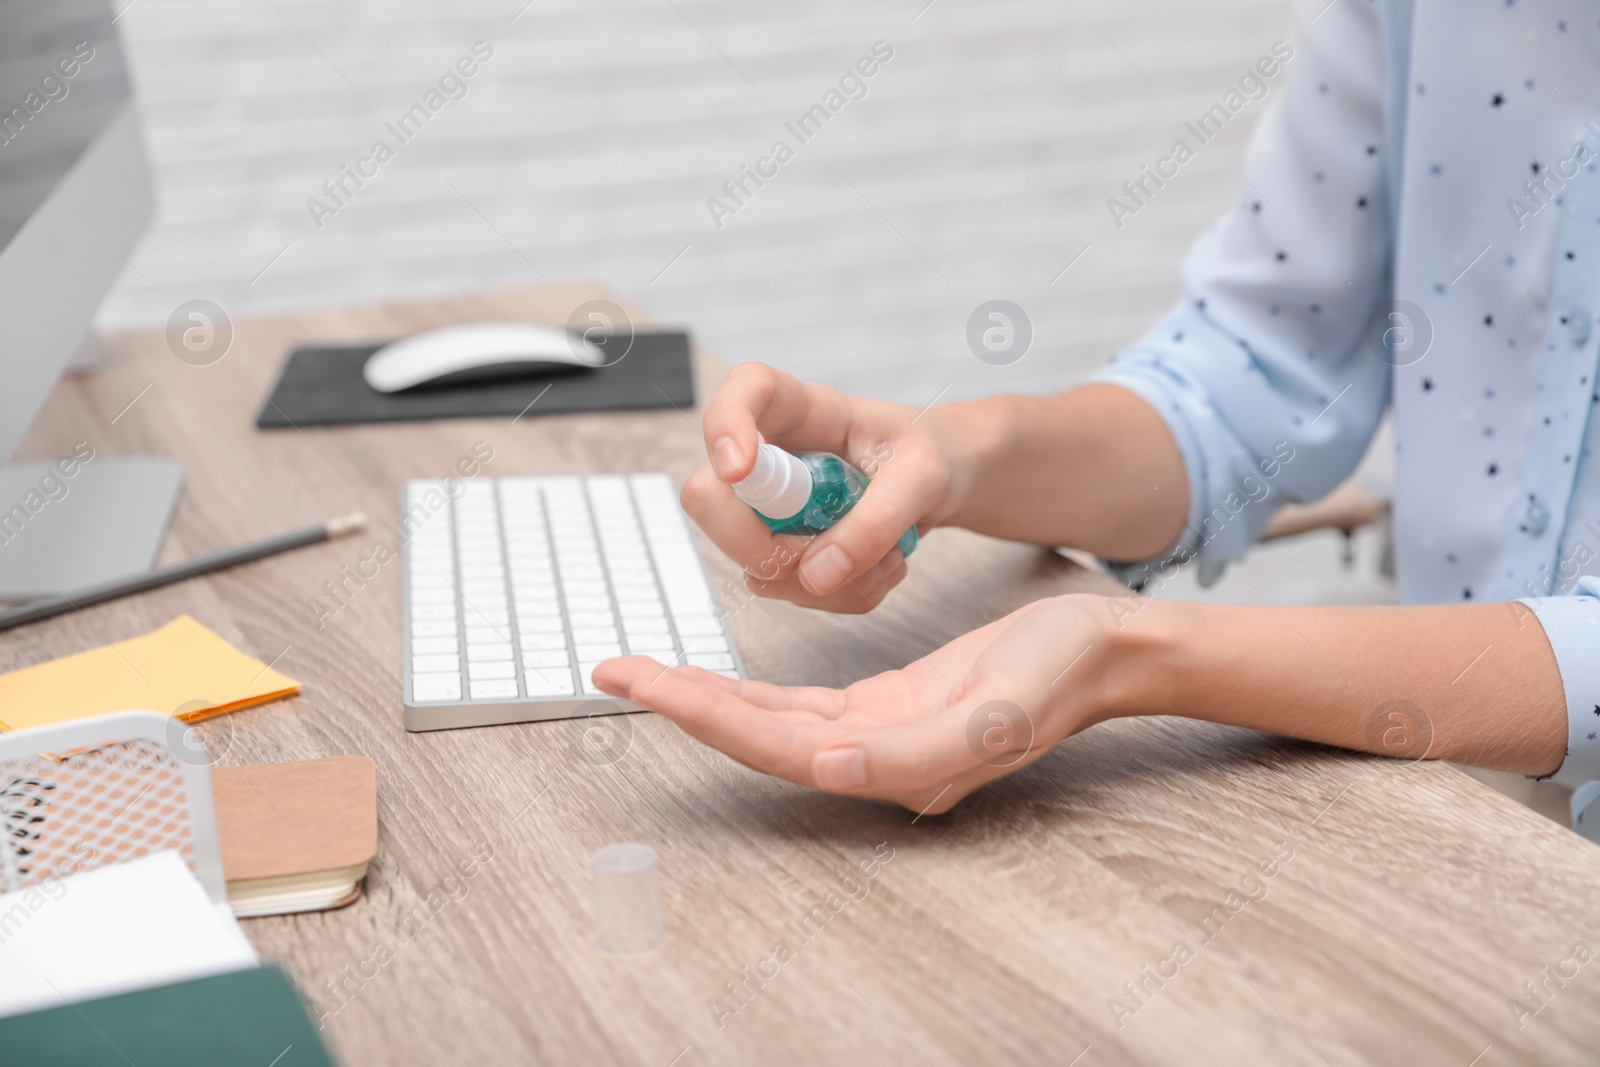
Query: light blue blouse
x,y
1419,228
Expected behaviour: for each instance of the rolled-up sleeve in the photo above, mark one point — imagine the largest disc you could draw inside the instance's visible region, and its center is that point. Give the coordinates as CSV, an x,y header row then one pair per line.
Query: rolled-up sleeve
x,y
1263,370
1572,625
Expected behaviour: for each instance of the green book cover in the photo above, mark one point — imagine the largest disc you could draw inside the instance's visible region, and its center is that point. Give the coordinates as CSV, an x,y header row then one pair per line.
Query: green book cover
x,y
251,1018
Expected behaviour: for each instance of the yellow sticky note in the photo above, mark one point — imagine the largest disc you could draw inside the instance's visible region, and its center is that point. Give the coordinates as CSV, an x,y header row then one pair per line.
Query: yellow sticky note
x,y
182,669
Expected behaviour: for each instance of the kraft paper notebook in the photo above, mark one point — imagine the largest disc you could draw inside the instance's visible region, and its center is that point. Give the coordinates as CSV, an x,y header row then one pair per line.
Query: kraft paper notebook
x,y
182,669
296,836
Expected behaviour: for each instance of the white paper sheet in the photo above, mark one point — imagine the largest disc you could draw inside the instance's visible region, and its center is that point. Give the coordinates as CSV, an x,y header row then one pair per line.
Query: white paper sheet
x,y
126,926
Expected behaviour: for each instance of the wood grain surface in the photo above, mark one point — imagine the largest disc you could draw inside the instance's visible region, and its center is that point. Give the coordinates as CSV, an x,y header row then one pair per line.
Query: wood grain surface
x,y
1405,909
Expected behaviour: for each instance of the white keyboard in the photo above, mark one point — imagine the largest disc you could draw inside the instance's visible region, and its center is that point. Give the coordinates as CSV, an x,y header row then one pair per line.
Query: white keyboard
x,y
515,589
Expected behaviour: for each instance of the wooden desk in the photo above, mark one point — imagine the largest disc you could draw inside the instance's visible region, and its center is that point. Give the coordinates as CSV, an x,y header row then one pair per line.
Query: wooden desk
x,y
1415,904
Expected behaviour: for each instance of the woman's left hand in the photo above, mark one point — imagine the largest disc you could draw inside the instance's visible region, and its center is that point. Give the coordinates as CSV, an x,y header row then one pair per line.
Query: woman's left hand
x,y
989,702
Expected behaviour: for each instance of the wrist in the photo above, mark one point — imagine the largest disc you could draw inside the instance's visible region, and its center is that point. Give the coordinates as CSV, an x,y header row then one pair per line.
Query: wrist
x,y
1147,656
971,441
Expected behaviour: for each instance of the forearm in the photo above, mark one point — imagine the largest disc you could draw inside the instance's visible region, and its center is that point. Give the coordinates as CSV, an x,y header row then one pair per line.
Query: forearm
x,y
1095,468
1474,684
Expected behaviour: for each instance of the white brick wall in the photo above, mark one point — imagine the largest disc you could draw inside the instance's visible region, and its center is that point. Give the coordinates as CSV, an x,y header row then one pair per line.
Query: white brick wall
x,y
593,137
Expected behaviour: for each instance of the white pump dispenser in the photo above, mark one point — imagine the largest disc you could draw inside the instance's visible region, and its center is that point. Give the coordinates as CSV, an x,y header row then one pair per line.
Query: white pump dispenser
x,y
778,486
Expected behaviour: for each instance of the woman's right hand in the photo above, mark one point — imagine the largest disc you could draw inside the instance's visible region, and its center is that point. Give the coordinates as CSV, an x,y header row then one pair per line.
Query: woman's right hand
x,y
853,565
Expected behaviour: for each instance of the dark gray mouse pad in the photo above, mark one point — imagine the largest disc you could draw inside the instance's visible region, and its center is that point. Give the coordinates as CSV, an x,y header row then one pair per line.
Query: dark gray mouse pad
x,y
323,386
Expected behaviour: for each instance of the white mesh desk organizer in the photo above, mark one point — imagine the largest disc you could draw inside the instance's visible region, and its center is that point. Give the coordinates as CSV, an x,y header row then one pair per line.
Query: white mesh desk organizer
x,y
111,874
101,791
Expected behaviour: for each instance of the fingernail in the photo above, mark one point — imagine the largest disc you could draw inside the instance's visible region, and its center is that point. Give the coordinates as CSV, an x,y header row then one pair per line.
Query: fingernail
x,y
840,768
824,570
725,456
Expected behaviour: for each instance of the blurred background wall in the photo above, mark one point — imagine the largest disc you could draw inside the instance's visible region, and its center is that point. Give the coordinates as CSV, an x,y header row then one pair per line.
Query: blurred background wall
x,y
977,166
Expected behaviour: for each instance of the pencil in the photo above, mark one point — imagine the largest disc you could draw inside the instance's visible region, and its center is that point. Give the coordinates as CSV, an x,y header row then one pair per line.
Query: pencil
x,y
50,606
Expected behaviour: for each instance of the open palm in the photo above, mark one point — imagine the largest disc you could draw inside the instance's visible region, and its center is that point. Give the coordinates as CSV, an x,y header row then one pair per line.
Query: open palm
x,y
925,736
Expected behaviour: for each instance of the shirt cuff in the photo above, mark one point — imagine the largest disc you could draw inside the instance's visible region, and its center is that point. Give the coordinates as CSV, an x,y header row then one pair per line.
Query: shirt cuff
x,y
1572,625
1231,494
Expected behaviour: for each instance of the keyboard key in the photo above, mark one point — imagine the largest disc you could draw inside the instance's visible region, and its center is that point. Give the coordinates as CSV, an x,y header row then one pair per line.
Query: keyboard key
x,y
705,644
424,612
651,643
441,583
496,690
441,594
429,646
433,627
598,652
703,625
575,546
529,589
433,664
581,619
488,653
435,687
532,660
711,661
698,603
479,672
541,642
540,624
644,621
586,635
586,672
549,684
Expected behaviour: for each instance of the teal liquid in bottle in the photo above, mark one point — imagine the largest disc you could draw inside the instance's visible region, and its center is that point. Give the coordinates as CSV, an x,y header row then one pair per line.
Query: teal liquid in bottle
x,y
806,494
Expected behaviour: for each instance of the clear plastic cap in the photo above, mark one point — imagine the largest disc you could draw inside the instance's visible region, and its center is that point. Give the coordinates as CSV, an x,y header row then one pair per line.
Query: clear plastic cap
x,y
627,900
779,485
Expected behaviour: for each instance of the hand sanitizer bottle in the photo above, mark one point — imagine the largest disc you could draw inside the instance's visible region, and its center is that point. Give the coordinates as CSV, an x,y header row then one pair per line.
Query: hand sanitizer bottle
x,y
805,494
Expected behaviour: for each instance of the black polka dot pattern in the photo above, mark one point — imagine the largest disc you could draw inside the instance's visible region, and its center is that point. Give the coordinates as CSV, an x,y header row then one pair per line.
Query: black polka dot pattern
x,y
1469,305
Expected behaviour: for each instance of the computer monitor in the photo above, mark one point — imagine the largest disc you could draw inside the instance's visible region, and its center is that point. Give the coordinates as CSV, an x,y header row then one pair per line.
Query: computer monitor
x,y
76,194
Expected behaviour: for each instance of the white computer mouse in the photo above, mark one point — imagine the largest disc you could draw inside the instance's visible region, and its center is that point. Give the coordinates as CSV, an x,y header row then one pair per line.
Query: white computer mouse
x,y
482,350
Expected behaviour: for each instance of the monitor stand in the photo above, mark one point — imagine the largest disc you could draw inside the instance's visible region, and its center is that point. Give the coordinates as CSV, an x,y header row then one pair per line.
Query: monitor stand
x,y
106,520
